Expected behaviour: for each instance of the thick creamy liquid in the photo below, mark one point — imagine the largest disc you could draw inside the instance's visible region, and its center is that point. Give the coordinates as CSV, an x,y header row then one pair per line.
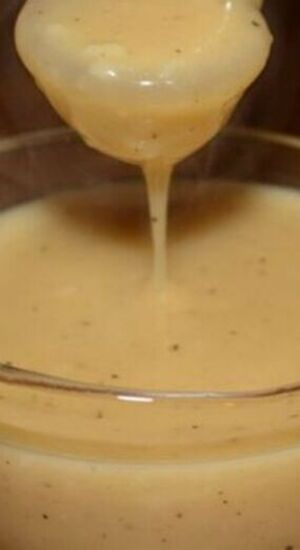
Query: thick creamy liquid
x,y
85,307
231,320
147,82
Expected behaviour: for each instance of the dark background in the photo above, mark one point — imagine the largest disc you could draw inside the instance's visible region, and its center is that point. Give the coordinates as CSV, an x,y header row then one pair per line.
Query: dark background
x,y
272,103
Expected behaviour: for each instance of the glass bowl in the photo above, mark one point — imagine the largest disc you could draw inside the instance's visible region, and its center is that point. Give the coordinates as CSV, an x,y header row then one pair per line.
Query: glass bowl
x,y
85,466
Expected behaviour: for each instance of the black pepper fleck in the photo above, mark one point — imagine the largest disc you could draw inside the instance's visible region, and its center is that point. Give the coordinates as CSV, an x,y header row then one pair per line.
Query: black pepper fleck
x,y
154,135
86,323
262,260
289,547
163,541
179,515
115,376
212,291
45,516
195,427
239,514
178,50
255,23
225,502
175,347
99,415
7,462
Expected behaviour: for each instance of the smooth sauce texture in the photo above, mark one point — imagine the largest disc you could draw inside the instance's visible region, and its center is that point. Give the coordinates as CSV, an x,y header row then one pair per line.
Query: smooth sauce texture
x,y
144,80
147,82
84,307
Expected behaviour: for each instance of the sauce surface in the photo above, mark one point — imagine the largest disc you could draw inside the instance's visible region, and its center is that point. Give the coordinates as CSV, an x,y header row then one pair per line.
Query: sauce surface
x,y
85,308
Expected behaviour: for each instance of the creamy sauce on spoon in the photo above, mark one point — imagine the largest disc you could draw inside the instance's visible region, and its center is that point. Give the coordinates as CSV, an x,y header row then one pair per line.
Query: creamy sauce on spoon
x,y
146,82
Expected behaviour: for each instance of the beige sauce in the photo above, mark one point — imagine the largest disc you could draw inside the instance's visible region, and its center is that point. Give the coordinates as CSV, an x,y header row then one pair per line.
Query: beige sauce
x,y
147,82
77,301
85,308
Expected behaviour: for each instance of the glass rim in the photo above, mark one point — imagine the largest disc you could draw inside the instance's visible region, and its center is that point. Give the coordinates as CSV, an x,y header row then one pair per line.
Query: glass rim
x,y
26,379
